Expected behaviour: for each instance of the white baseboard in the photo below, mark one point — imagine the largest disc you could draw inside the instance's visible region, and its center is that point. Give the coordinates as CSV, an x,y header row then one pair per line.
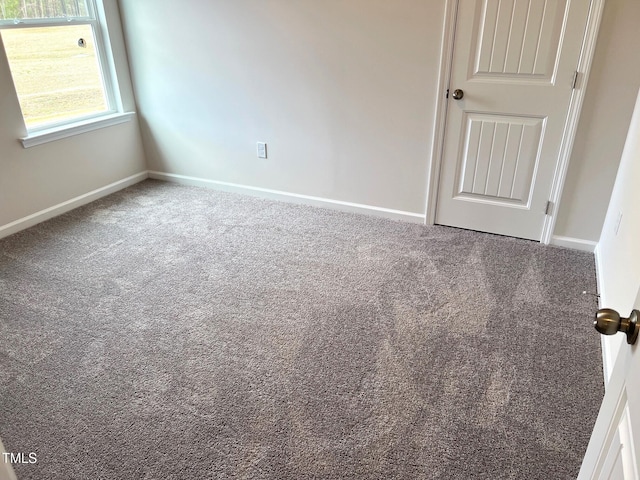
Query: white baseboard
x,y
574,243
291,197
64,207
6,470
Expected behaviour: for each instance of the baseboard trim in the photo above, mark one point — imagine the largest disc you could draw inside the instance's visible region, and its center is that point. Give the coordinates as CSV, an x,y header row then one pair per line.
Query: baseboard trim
x,y
290,197
47,213
574,243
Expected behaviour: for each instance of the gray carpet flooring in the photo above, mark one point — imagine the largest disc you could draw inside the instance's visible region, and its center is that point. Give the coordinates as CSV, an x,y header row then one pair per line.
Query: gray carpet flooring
x,y
170,332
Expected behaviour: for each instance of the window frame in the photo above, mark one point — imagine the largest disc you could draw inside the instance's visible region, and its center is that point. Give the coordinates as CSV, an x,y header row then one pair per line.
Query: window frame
x,y
104,56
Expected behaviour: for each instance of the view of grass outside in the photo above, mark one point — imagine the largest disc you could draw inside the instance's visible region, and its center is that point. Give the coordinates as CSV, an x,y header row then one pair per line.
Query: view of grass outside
x,y
22,9
55,71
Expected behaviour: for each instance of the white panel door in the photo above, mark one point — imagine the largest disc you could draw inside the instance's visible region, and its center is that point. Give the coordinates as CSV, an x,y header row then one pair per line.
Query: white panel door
x,y
515,62
613,452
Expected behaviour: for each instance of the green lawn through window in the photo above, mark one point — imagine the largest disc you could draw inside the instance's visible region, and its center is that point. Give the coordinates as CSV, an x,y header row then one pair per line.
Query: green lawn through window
x,y
55,78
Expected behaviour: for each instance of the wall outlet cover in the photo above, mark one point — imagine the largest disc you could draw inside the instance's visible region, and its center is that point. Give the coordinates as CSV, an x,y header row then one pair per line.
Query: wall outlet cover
x,y
262,150
617,225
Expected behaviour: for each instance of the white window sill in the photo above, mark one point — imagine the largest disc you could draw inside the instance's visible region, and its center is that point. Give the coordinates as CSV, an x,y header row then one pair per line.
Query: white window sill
x,y
64,131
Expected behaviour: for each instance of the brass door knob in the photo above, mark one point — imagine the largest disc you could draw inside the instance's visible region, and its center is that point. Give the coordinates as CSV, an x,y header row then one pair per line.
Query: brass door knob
x,y
457,94
609,322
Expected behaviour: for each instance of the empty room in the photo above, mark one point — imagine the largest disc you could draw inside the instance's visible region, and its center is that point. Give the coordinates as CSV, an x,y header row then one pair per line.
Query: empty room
x,y
339,239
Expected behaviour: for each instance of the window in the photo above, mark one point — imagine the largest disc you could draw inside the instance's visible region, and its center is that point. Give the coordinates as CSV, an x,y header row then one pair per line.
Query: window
x,y
58,62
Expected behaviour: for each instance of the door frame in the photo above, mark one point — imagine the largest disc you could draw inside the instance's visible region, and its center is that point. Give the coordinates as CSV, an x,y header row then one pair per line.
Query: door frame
x,y
585,61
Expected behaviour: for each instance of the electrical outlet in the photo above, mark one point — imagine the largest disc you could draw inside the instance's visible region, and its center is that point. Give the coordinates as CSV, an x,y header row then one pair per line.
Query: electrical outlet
x,y
262,150
618,220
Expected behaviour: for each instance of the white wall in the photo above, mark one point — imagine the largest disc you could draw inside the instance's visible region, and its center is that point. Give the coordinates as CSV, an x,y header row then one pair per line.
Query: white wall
x,y
610,97
619,253
343,92
40,177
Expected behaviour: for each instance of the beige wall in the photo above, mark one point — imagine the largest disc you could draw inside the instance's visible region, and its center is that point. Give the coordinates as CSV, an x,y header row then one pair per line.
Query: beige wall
x,y
40,177
342,91
610,97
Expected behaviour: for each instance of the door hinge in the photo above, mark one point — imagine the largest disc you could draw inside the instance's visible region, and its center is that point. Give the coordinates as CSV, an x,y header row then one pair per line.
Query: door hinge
x,y
547,210
574,82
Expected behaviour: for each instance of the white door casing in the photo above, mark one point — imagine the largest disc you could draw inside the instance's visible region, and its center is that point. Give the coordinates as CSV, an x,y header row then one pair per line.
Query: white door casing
x,y
515,60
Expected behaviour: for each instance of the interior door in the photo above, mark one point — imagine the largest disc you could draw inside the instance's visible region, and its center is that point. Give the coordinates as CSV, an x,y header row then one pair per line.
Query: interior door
x,y
512,74
613,449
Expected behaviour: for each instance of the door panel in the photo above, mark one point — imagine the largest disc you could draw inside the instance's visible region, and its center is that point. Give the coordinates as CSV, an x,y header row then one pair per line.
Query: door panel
x,y
518,38
618,460
612,466
515,61
499,158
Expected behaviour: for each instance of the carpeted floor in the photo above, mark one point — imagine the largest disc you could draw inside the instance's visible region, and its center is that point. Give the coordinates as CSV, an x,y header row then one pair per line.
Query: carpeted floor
x,y
168,332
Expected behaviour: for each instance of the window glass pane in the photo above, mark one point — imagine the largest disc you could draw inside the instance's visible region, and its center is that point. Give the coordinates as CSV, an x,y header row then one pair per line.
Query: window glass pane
x,y
56,73
31,9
